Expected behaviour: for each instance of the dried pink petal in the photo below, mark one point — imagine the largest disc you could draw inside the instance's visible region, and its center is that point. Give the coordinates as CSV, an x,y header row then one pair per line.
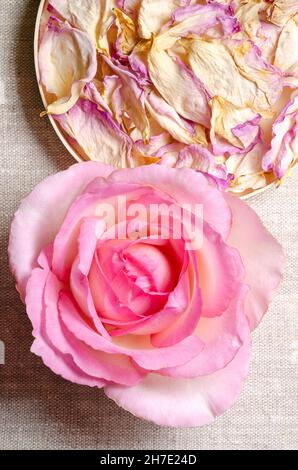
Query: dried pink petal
x,y
67,61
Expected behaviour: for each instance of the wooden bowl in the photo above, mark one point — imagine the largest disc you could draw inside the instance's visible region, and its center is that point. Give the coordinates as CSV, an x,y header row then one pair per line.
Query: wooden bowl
x,y
77,153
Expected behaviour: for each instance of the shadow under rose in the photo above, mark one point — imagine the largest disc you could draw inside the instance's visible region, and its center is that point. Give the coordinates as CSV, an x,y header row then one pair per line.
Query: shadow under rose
x,y
58,414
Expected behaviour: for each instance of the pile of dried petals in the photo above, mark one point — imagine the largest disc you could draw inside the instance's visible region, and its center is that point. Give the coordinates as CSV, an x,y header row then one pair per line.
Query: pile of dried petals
x,y
210,85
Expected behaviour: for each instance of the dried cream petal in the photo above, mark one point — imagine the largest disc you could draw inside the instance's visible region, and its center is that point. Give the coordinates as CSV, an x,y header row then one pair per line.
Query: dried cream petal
x,y
92,16
283,154
247,170
247,14
234,71
112,95
199,20
133,98
179,86
169,120
279,11
267,40
247,183
226,117
247,164
130,7
127,35
97,134
153,14
286,56
67,61
268,79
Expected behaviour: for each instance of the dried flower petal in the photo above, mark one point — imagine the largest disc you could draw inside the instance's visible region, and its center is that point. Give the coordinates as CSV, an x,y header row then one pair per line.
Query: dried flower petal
x,y
167,117
153,14
279,11
285,57
246,79
67,61
179,86
97,134
195,83
232,125
92,16
283,154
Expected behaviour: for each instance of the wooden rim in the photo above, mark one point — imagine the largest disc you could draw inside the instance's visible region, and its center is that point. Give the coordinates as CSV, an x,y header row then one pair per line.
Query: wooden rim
x,y
58,131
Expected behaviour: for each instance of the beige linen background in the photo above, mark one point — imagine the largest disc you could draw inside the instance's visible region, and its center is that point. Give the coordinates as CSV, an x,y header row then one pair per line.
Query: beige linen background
x,y
41,411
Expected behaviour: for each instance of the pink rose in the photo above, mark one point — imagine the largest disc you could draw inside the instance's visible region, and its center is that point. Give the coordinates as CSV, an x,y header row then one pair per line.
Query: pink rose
x,y
163,325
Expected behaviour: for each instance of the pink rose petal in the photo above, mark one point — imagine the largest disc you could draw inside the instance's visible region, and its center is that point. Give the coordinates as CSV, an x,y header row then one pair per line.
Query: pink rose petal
x,y
185,402
261,255
37,221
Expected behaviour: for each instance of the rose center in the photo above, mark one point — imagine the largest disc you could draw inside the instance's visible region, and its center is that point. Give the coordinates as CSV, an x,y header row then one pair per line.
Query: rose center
x,y
148,267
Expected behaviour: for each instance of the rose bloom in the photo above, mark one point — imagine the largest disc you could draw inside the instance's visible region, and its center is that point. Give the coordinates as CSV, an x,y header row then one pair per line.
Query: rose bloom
x,y
163,325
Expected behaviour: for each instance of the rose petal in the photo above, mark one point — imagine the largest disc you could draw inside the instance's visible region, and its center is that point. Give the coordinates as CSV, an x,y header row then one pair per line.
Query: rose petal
x,y
139,348
185,402
169,120
37,221
92,362
179,86
80,269
176,310
130,7
237,126
247,13
154,144
262,257
284,57
67,61
133,98
220,271
185,325
201,20
127,35
246,78
247,169
94,17
172,181
284,145
59,363
97,133
201,159
153,14
279,11
99,199
223,337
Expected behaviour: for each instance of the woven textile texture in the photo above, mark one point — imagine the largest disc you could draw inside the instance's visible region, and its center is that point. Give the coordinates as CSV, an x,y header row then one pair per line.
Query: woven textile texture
x,y
41,411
